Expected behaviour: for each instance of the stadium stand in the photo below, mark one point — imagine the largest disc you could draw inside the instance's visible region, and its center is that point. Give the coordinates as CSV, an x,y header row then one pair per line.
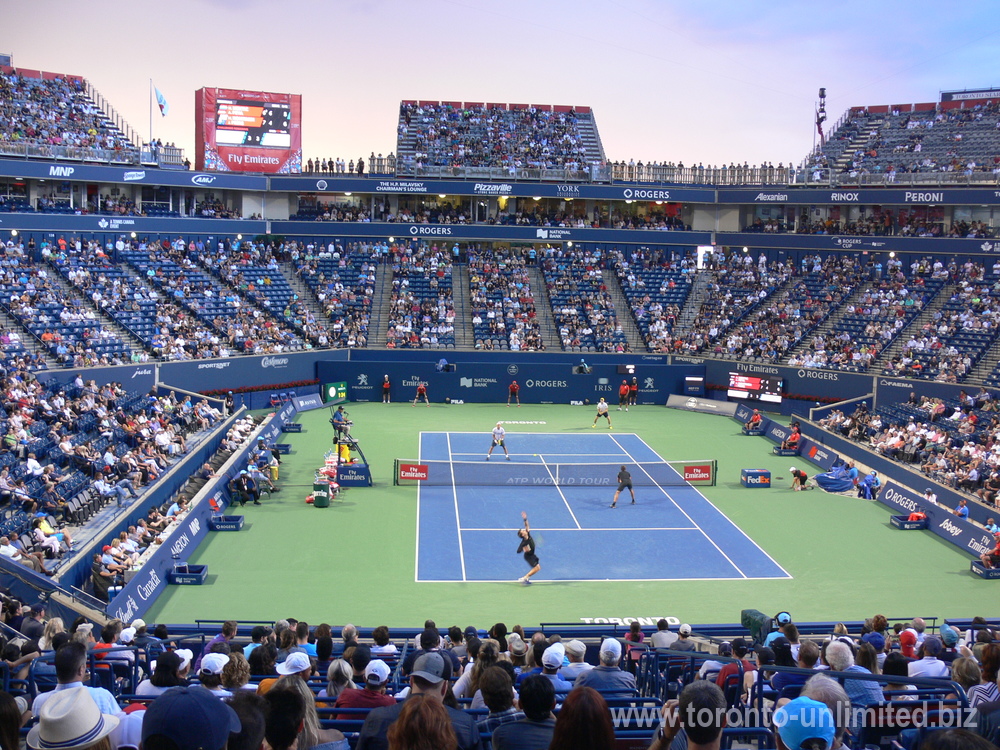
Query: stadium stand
x,y
582,308
506,136
51,116
888,143
503,305
421,307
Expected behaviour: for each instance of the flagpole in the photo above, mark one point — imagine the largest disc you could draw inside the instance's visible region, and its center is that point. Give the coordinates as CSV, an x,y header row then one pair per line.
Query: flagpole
x,y
150,110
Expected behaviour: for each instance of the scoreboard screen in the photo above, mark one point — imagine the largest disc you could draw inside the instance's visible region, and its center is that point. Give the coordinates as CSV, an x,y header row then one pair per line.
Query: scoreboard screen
x,y
245,122
755,387
248,131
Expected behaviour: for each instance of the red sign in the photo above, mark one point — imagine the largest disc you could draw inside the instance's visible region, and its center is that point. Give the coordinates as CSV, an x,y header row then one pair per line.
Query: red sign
x,y
413,471
698,473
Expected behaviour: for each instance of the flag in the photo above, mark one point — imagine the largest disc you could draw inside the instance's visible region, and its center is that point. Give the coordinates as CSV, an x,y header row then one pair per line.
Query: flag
x,y
161,100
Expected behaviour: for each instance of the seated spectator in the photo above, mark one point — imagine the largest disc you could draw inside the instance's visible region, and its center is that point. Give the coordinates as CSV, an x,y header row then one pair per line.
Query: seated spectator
x,y
188,718
372,695
536,729
607,676
584,722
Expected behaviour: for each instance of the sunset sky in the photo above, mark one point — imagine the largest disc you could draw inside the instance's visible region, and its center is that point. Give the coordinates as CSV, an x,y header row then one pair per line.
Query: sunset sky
x,y
709,82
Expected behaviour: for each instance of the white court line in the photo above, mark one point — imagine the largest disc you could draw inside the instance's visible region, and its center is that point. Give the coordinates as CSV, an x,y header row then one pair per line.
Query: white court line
x,y
735,526
601,529
458,520
556,581
561,494
712,541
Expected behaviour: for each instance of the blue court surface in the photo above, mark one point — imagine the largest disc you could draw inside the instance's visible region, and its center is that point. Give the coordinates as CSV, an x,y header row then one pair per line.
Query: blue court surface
x,y
467,528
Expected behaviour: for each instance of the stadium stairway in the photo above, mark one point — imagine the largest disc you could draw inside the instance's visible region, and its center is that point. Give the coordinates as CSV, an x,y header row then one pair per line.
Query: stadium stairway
x,y
543,310
587,126
859,141
624,312
986,364
937,303
378,327
699,291
306,295
464,335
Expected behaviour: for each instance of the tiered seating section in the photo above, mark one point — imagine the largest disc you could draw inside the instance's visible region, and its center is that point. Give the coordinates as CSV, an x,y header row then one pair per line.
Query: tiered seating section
x,y
656,288
445,134
344,283
70,329
582,308
935,138
947,348
848,675
870,324
53,117
422,308
503,304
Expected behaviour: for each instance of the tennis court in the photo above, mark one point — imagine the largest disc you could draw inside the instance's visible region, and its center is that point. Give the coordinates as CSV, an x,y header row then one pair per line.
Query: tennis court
x,y
469,513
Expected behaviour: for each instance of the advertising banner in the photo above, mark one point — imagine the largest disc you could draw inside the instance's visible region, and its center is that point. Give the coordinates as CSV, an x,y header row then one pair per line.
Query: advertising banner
x,y
248,131
940,520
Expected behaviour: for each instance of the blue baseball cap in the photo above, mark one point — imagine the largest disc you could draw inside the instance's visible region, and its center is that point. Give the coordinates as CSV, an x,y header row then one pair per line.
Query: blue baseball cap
x,y
804,719
193,717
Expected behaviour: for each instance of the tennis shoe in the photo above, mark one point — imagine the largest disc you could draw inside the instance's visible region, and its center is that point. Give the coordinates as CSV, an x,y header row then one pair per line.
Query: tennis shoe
x,y
613,505
626,408
508,458
633,502
610,427
487,458
522,579
594,425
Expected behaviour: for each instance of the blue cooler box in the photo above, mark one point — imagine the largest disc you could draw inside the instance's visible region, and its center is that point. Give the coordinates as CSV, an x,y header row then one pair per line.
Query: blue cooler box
x,y
755,478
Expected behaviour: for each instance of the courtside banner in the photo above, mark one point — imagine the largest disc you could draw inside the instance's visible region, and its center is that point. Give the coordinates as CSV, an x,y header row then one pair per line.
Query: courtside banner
x,y
698,473
963,534
413,471
818,454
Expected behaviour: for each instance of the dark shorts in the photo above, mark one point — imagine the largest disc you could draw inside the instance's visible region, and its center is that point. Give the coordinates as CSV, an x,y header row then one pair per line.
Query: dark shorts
x,y
994,560
624,485
605,414
531,558
498,442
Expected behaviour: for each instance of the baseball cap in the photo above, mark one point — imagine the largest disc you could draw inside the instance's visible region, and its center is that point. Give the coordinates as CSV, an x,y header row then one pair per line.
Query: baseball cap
x,y
877,640
39,606
471,630
684,629
214,663
932,646
193,717
576,647
740,646
127,635
516,645
783,618
377,672
105,548
907,640
552,657
432,667
138,624
611,646
725,649
793,469
804,719
296,662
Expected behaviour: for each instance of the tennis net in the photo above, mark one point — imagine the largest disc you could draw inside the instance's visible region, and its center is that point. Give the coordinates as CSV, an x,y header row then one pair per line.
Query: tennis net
x,y
500,473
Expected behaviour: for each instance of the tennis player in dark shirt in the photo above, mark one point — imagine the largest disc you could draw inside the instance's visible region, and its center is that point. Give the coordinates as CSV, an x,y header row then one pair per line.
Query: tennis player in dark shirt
x,y
624,480
527,546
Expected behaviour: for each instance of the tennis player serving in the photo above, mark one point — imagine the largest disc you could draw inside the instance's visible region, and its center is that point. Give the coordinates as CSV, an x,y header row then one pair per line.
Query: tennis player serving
x,y
499,435
602,411
624,481
527,546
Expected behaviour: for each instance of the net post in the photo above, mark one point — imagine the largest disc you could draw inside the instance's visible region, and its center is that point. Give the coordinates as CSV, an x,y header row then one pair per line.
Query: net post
x,y
395,472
